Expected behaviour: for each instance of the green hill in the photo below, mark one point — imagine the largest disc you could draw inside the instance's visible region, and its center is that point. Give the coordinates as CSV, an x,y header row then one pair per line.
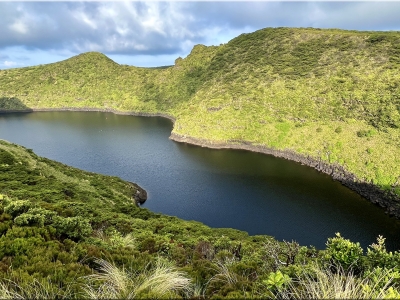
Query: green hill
x,y
67,233
331,95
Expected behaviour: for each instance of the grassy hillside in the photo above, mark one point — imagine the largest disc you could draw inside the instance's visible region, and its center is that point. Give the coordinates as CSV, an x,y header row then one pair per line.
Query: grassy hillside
x,y
330,94
67,233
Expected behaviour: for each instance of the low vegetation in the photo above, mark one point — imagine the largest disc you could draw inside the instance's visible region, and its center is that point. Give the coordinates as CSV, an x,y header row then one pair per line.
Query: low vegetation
x,y
56,241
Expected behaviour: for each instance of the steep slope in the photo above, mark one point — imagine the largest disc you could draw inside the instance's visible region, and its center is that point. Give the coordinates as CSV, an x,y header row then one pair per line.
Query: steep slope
x,y
331,95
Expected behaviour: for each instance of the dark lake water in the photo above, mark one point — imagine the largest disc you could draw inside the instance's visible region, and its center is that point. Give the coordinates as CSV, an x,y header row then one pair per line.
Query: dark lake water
x,y
253,192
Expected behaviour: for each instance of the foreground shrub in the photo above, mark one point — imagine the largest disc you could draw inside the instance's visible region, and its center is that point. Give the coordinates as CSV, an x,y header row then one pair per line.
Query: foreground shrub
x,y
379,257
276,281
161,281
344,253
321,283
33,290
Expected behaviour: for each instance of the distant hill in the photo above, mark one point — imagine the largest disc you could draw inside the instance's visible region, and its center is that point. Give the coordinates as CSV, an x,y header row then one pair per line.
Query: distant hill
x,y
332,95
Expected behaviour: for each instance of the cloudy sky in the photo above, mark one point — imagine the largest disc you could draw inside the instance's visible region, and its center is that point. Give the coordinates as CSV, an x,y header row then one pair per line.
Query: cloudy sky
x,y
156,33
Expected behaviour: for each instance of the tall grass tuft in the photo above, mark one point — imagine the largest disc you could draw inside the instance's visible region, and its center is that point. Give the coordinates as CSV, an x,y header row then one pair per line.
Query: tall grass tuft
x,y
33,290
116,239
224,272
198,290
321,283
161,281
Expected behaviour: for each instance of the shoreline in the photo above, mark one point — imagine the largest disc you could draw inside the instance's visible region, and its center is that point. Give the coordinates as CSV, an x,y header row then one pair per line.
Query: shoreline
x,y
387,200
117,112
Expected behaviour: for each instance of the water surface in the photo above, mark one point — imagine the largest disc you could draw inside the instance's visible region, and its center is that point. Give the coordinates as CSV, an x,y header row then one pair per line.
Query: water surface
x,y
254,192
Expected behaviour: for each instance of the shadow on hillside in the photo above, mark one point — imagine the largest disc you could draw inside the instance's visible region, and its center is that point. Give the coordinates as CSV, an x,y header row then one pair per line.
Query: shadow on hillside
x,y
388,200
12,104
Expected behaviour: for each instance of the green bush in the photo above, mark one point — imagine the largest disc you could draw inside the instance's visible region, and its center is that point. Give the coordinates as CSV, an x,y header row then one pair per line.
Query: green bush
x,y
338,129
379,257
47,215
276,281
365,133
17,207
72,227
35,217
343,253
6,157
27,219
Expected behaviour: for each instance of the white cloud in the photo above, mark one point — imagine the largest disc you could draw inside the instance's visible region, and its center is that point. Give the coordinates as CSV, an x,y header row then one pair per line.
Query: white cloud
x,y
81,16
19,27
9,63
171,28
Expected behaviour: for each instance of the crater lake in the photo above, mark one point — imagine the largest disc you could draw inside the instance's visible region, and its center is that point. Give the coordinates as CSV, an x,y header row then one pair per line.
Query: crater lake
x,y
248,191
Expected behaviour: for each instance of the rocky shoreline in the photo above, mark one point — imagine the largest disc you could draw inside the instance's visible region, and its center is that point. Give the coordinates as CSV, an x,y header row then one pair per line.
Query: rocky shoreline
x,y
387,200
140,196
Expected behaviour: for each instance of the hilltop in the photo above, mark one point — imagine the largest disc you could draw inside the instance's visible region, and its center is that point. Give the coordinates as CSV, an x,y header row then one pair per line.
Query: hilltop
x,y
328,95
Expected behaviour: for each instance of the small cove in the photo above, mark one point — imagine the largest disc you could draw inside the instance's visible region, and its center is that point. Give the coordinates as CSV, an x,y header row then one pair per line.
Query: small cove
x,y
249,191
